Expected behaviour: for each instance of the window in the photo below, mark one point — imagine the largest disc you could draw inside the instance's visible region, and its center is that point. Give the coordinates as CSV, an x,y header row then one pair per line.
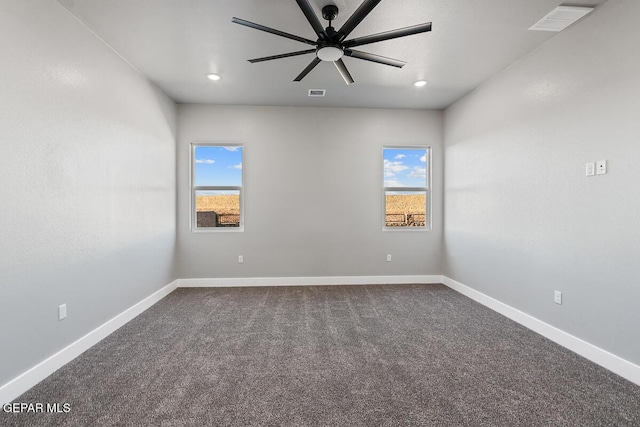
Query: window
x,y
216,187
406,187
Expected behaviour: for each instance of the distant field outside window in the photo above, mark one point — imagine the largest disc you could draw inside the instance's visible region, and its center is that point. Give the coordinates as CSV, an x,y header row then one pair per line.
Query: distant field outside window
x,y
217,187
406,187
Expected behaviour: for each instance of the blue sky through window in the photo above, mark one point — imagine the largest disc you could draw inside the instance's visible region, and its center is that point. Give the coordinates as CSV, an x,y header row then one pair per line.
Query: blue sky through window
x,y
405,167
218,166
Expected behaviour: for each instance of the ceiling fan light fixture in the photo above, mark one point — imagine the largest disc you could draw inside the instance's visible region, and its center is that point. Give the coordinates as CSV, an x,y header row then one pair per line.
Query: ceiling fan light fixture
x,y
420,83
213,76
329,53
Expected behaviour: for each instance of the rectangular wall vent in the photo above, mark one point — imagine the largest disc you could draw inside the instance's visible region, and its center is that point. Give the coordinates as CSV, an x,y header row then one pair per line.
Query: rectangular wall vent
x,y
316,92
560,18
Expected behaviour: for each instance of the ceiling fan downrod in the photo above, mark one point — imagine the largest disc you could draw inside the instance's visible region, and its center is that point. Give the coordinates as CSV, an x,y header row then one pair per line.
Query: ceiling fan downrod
x,y
330,13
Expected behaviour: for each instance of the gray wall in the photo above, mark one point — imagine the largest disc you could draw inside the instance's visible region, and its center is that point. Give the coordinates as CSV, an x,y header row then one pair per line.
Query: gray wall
x,y
87,162
313,192
521,217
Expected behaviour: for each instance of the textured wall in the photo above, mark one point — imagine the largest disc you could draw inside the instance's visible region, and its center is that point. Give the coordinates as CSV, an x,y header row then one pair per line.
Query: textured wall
x,y
521,217
87,163
304,166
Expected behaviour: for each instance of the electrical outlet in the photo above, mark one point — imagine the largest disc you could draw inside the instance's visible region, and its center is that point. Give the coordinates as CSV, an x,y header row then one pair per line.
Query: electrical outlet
x,y
240,259
601,167
62,311
590,169
557,297
388,257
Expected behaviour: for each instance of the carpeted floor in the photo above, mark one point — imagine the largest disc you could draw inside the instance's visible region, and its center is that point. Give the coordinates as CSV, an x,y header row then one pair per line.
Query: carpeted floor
x,y
391,355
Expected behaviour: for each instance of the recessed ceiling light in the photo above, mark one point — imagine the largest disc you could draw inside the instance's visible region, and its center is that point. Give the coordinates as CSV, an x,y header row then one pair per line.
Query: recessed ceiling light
x,y
212,76
420,83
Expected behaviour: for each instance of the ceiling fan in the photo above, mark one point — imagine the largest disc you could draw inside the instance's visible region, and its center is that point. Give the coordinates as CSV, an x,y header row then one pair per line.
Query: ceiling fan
x,y
331,45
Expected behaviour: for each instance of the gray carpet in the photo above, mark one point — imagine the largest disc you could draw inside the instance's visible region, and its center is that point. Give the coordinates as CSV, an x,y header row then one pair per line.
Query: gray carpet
x,y
390,355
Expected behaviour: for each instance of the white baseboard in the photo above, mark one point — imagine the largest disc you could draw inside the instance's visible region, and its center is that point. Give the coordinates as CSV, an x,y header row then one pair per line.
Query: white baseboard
x,y
307,281
607,360
42,370
30,378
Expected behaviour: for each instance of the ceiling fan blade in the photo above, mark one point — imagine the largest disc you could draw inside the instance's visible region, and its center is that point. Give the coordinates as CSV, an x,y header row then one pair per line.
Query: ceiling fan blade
x,y
342,69
365,8
272,31
374,58
307,70
284,55
388,35
312,18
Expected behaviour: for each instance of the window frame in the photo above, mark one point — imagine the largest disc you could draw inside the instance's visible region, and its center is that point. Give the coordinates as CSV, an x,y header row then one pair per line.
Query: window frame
x,y
426,189
193,215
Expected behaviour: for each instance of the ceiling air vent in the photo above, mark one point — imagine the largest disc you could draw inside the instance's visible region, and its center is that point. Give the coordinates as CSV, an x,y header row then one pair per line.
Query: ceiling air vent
x,y
316,92
560,18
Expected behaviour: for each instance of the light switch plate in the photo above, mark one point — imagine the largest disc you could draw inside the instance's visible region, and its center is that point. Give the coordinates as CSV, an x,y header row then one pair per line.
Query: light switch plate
x,y
557,297
590,169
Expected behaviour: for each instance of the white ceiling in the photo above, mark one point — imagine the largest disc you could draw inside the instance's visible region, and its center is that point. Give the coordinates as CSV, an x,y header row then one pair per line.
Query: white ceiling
x,y
176,42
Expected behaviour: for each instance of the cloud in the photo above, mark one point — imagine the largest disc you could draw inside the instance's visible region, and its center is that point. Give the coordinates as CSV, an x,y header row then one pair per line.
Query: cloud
x,y
206,161
391,168
400,156
231,148
418,173
423,158
393,183
238,166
